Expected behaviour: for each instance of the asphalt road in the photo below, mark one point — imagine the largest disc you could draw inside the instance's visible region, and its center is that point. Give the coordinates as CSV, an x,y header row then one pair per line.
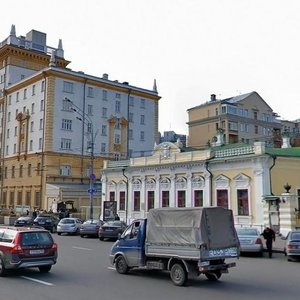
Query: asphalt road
x,y
83,272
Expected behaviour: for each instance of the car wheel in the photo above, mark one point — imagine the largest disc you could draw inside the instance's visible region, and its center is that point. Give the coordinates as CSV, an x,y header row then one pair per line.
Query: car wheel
x,y
2,268
45,269
178,275
82,236
59,233
52,229
121,265
101,238
213,276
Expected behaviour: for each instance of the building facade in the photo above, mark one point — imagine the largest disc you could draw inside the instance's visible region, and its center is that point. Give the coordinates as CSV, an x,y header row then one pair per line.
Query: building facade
x,y
245,118
245,178
58,125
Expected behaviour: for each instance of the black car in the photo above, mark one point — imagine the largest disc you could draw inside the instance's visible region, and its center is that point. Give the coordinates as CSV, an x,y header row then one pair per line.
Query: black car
x,y
111,230
49,222
24,221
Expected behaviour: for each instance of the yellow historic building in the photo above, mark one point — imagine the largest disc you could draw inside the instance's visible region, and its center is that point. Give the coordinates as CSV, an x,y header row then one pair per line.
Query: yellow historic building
x,y
58,125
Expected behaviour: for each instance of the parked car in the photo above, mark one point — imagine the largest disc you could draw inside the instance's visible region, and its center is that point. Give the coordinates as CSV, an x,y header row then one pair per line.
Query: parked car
x,y
111,230
24,221
23,247
69,225
292,245
48,221
250,240
90,227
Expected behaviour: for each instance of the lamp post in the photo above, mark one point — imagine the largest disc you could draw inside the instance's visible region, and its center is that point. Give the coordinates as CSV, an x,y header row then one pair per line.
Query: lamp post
x,y
126,203
82,116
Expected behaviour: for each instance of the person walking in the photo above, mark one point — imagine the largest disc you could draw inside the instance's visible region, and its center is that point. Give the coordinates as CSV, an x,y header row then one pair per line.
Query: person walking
x,y
269,236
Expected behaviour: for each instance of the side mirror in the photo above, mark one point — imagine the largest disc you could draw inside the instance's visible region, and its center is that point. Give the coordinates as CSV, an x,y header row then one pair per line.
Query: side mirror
x,y
119,236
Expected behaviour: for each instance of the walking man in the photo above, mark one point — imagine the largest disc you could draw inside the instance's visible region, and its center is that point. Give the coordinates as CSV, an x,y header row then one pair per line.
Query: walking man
x,y
269,236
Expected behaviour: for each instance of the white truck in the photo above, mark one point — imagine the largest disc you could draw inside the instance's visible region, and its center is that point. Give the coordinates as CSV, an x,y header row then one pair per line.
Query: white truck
x,y
186,242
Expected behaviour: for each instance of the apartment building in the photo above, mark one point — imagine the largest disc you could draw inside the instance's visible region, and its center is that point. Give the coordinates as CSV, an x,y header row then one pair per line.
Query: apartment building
x,y
243,118
58,125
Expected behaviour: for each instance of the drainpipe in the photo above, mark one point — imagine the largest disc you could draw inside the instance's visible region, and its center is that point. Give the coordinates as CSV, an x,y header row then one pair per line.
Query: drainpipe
x,y
210,183
127,146
270,169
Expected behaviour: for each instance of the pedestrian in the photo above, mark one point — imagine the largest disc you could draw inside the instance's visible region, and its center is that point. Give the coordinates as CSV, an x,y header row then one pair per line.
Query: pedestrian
x,y
269,236
117,218
34,213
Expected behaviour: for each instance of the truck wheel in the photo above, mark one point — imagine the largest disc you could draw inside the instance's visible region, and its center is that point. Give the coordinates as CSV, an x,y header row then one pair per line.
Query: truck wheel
x,y
213,276
178,275
121,265
2,268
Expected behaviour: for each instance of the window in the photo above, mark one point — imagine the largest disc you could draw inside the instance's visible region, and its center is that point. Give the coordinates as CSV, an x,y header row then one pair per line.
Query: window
x,y
15,149
255,115
17,112
29,170
40,143
256,129
25,94
32,108
198,198
222,198
28,198
117,139
41,124
104,112
122,201
24,109
131,101
65,170
33,90
142,119
19,198
31,145
243,202
43,86
165,199
42,105
13,172
8,117
90,92
31,126
38,169
136,200
9,100
117,156
90,109
103,130
104,95
150,200
68,87
142,103
118,95
21,171
130,134
66,124
118,106
7,133
5,172
65,144
180,198
17,97
66,105
142,135
130,117
233,126
89,127
118,123
103,147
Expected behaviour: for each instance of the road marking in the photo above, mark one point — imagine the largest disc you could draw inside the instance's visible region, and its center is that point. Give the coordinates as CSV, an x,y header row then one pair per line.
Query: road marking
x,y
111,268
81,248
38,281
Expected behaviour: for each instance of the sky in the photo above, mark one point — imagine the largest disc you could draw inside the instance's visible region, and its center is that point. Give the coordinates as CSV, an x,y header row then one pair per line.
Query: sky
x,y
193,48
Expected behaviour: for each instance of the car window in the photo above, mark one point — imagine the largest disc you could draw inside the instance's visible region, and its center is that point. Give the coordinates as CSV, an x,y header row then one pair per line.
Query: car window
x,y
33,238
244,231
8,236
67,221
295,236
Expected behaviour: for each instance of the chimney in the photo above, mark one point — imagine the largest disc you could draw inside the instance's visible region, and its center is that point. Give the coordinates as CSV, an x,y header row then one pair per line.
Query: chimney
x,y
212,97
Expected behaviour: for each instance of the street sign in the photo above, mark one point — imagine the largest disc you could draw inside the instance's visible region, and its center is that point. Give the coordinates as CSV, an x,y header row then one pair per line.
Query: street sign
x,y
92,191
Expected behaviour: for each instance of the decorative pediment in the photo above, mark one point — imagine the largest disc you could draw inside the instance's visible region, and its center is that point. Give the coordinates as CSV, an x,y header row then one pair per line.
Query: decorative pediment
x,y
222,182
165,150
165,183
242,181
198,182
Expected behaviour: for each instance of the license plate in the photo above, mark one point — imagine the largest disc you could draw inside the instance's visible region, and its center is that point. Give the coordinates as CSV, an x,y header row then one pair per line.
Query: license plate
x,y
223,252
108,230
38,251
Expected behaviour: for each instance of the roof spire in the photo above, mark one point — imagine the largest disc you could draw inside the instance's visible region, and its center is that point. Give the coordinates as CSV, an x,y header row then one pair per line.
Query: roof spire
x,y
154,86
13,30
52,59
60,50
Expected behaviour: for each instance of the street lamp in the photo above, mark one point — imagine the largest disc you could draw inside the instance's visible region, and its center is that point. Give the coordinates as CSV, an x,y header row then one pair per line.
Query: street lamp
x,y
126,203
83,117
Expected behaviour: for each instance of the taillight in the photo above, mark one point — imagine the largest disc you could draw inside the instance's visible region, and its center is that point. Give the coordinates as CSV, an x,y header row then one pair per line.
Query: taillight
x,y
17,249
292,247
54,247
119,229
258,242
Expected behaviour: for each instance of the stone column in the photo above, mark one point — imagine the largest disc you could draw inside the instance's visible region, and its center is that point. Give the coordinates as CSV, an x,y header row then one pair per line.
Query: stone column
x,y
287,214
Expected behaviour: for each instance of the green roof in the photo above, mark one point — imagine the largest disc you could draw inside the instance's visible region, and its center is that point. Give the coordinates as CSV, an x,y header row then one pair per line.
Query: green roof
x,y
291,152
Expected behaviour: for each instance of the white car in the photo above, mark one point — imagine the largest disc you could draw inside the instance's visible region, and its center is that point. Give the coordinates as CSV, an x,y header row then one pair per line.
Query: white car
x,y
69,226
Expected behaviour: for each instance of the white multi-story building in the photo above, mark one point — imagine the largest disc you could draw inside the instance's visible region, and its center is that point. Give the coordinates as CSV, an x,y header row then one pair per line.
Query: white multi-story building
x,y
58,123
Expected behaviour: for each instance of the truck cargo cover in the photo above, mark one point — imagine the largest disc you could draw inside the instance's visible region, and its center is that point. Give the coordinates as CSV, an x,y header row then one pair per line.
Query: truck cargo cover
x,y
212,226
